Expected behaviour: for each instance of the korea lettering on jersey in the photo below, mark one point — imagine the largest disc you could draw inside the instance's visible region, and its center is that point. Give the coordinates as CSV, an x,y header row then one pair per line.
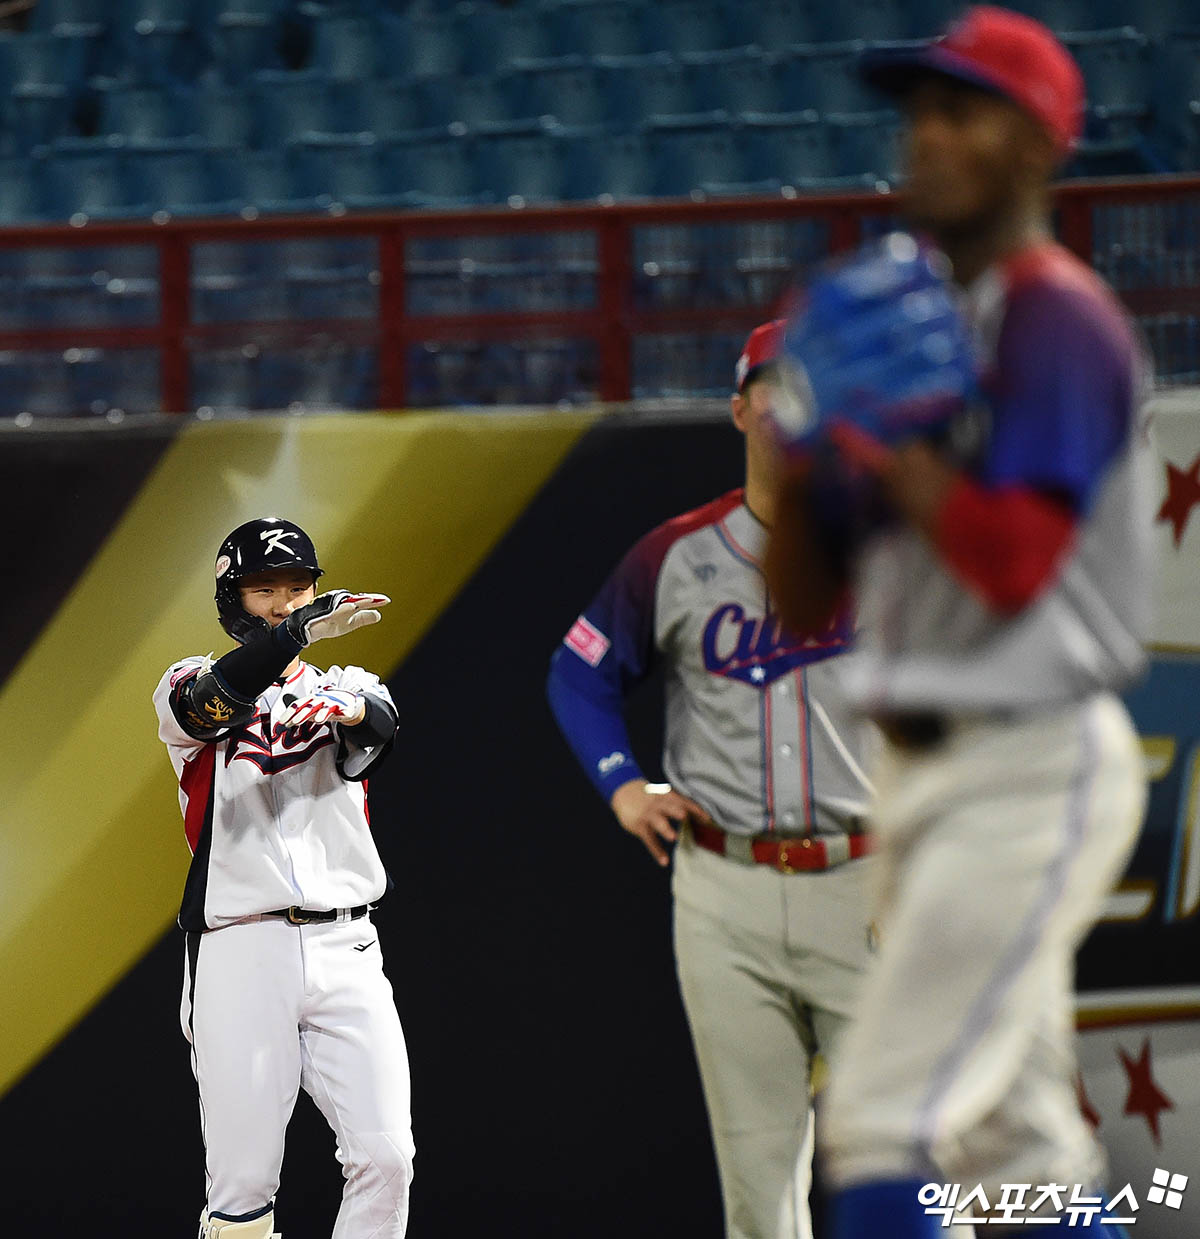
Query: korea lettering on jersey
x,y
1062,416
757,727
274,816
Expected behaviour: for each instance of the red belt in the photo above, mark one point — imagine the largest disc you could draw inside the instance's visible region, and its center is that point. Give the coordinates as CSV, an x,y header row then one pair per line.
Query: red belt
x,y
788,855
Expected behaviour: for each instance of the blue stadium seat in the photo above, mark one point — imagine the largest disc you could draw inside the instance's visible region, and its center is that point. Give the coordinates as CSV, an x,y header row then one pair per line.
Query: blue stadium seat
x,y
224,116
864,19
639,87
616,167
51,59
680,26
37,383
293,106
1066,15
437,172
530,167
144,113
181,182
776,25
360,176
104,380
492,37
869,144
92,184
388,107
802,155
426,46
323,375
491,103
37,115
927,18
698,159
160,39
270,182
348,47
740,80
50,13
1115,67
573,93
244,44
600,27
825,78
21,190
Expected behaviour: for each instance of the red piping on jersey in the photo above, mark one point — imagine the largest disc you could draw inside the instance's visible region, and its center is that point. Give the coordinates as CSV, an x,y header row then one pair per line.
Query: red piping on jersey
x,y
737,546
802,752
196,783
1005,543
769,757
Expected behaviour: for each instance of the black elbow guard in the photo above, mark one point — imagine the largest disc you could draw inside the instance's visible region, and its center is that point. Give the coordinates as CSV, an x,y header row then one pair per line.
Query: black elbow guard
x,y
204,704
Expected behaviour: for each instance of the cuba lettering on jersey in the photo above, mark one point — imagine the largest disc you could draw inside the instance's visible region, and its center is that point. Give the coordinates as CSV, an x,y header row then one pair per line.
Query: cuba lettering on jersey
x,y
248,797
1063,416
758,729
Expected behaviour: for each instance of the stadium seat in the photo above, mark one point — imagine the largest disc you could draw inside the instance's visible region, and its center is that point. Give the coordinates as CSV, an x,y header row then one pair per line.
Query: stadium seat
x,y
104,380
738,81
529,167
38,115
616,167
776,25
92,184
437,172
1115,67
388,107
600,27
864,19
492,37
825,79
488,102
270,182
573,93
181,182
799,154
1067,15
20,190
50,59
697,159
348,47
293,106
426,46
224,379
50,13
927,18
868,144
327,374
357,175
224,116
639,87
161,40
680,26
245,44
144,114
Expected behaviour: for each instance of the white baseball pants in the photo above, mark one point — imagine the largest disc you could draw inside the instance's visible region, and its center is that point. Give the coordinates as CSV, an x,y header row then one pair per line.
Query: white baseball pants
x,y
996,852
270,1008
769,966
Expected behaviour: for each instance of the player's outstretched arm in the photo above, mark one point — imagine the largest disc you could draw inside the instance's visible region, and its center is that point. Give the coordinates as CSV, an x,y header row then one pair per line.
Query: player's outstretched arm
x,y
653,813
333,615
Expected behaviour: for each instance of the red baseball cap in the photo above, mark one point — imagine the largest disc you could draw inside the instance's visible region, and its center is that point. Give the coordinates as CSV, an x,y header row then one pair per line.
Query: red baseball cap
x,y
763,345
1001,51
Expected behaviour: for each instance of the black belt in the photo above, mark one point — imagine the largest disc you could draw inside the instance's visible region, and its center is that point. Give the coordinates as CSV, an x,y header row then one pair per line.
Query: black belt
x,y
303,916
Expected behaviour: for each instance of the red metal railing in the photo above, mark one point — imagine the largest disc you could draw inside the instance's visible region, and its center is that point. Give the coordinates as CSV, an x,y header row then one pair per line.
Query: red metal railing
x,y
611,322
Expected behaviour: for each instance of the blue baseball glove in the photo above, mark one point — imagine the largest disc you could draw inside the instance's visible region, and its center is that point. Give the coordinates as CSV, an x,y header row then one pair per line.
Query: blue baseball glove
x,y
876,342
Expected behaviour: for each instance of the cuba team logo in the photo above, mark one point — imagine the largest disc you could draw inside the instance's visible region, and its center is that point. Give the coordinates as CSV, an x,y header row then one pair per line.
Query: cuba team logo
x,y
758,649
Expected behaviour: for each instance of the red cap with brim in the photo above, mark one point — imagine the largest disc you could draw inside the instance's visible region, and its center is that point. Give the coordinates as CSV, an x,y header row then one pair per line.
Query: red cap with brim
x,y
762,346
1001,51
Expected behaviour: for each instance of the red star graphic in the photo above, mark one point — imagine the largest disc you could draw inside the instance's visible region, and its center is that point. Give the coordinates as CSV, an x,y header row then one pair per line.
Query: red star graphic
x,y
1183,493
1145,1097
1085,1105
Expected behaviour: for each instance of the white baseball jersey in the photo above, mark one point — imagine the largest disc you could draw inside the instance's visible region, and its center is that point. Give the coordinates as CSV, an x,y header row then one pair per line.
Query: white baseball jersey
x,y
758,728
1064,376
259,841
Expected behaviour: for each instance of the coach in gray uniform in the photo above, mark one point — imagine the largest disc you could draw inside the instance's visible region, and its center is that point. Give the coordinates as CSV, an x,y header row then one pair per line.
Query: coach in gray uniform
x,y
766,764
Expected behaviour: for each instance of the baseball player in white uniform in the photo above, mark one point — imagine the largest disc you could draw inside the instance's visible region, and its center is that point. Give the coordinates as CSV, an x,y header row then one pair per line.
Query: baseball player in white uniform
x,y
1003,601
766,780
283,983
